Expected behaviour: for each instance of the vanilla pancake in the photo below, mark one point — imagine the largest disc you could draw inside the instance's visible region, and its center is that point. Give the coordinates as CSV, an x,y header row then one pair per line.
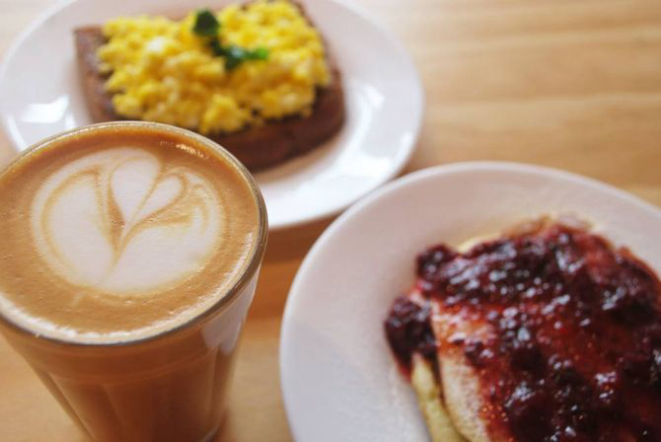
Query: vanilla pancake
x,y
518,358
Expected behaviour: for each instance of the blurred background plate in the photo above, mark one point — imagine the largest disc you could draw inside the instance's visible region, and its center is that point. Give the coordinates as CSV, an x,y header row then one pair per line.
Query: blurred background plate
x,y
40,95
339,379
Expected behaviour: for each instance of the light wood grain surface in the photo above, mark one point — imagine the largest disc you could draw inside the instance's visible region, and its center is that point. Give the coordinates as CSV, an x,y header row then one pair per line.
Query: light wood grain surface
x,y
574,84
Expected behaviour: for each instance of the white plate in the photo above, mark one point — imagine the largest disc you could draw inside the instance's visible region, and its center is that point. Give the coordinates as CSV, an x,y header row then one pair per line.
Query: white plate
x,y
40,95
339,379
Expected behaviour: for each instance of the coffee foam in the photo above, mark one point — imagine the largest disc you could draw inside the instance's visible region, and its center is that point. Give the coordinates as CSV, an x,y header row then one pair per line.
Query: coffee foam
x,y
121,222
118,236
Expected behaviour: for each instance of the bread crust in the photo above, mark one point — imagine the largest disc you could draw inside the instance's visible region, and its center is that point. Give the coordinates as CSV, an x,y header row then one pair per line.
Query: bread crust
x,y
257,147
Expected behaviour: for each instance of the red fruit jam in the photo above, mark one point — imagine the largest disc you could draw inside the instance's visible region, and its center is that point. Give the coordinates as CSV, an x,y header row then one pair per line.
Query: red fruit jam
x,y
574,349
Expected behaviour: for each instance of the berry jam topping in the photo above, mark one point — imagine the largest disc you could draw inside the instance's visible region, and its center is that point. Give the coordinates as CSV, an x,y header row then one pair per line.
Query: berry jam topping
x,y
408,329
574,349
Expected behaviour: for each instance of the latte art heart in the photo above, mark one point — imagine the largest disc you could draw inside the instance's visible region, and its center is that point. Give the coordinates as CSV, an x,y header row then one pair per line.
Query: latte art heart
x,y
119,221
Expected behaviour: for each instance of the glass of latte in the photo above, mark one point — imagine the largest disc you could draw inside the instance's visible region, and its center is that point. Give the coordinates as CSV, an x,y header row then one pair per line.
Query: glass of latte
x,y
129,259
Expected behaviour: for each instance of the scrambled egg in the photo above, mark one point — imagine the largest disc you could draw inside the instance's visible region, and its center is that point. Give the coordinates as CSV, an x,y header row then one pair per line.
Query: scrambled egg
x,y
160,70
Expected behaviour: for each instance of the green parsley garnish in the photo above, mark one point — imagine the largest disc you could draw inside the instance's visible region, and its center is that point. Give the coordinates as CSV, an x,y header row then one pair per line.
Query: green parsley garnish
x,y
235,55
258,54
207,26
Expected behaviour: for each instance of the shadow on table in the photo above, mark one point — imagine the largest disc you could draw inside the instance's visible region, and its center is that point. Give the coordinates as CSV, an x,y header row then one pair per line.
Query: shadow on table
x,y
294,242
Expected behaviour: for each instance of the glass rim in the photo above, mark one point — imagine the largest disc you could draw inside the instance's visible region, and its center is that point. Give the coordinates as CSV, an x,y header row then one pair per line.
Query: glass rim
x,y
230,295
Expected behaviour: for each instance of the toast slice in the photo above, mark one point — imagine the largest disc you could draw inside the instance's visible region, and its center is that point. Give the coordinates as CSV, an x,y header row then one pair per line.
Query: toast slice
x,y
256,147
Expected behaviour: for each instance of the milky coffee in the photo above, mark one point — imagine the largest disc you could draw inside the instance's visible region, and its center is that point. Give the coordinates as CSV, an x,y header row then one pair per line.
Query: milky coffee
x,y
116,238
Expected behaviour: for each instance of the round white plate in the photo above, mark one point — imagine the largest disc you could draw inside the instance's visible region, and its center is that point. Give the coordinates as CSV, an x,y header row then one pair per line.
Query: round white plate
x,y
339,379
40,95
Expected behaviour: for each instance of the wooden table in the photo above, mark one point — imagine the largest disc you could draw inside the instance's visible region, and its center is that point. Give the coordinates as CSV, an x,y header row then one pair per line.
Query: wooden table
x,y
574,84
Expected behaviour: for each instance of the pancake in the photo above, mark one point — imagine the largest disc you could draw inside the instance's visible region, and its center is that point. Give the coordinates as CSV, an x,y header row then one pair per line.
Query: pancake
x,y
544,333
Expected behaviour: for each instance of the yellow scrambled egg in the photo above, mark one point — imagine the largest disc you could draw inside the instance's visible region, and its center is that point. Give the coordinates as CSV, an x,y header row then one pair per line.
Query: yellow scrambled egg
x,y
160,70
